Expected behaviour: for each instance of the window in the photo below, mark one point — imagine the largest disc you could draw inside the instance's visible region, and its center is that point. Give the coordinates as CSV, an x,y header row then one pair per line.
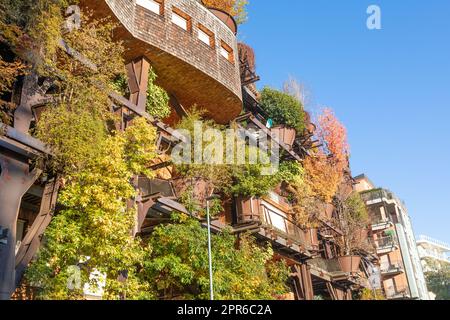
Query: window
x,y
181,19
152,5
20,232
205,35
227,52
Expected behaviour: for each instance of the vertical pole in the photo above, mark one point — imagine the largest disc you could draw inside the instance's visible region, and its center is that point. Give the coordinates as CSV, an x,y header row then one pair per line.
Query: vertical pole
x,y
15,180
211,287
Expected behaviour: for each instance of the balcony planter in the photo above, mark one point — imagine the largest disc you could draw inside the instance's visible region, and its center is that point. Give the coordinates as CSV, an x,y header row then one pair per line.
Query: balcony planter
x,y
248,210
225,17
285,134
349,264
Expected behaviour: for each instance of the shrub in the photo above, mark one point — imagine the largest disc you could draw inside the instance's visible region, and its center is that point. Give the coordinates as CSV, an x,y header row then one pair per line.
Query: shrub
x,y
282,108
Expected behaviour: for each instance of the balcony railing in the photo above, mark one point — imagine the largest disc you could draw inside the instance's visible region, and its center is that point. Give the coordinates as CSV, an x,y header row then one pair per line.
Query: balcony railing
x,y
433,255
386,243
377,194
284,226
381,224
392,267
434,242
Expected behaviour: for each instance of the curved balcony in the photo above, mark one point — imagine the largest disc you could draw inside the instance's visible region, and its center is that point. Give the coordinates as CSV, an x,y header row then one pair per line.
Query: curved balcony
x,y
193,52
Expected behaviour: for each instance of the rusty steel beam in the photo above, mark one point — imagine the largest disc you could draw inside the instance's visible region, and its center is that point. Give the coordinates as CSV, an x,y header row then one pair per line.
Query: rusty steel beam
x,y
22,143
138,77
180,110
307,281
15,179
32,240
32,95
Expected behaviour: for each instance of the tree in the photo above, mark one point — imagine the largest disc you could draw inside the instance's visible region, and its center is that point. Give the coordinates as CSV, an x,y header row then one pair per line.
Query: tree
x,y
95,225
325,169
95,221
297,90
9,71
236,8
243,270
438,281
353,220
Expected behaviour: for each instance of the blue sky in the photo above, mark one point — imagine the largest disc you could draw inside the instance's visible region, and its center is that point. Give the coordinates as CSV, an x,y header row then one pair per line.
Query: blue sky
x,y
391,88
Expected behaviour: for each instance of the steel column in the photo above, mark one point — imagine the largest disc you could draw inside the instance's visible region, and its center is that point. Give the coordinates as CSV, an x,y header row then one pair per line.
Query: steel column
x,y
15,179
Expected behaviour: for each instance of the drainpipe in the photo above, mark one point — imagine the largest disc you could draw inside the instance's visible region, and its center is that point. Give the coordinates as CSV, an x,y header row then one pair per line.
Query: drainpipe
x,y
15,180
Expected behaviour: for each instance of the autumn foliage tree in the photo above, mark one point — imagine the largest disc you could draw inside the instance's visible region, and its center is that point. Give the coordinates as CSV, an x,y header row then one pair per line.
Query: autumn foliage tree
x,y
323,170
236,8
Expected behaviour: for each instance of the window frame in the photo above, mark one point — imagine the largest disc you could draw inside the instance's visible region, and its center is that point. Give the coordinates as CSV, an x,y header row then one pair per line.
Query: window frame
x,y
208,33
160,3
178,13
224,47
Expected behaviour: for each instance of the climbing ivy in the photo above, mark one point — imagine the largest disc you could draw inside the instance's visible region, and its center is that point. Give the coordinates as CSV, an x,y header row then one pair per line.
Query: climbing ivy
x,y
157,98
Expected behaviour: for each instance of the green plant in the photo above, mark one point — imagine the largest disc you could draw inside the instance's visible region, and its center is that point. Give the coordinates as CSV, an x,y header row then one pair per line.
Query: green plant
x,y
389,233
438,280
367,294
353,219
120,84
193,205
283,108
96,221
96,167
242,269
216,175
157,98
248,180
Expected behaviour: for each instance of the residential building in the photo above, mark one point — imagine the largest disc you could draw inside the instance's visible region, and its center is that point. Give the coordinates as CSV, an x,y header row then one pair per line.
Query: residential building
x,y
392,232
433,253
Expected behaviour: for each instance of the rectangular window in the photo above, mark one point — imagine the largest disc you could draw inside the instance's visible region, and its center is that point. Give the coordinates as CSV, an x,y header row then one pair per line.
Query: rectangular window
x,y
227,52
152,5
206,36
20,232
181,19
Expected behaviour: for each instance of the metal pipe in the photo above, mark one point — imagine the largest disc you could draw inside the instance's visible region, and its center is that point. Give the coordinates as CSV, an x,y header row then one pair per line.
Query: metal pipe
x,y
211,286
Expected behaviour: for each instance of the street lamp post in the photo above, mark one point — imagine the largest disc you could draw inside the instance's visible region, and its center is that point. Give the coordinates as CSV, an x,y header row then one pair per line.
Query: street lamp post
x,y
211,286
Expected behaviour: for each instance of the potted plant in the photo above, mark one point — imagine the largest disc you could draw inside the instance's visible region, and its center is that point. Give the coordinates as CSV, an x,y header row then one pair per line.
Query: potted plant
x,y
286,113
352,219
285,134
